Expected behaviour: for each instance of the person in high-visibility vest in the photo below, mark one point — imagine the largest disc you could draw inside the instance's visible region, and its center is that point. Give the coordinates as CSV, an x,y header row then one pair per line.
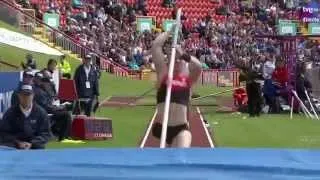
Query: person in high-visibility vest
x,y
64,67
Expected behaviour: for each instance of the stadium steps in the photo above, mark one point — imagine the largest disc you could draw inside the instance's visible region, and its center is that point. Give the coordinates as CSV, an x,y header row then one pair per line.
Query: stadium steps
x,y
38,30
42,39
38,34
39,37
58,48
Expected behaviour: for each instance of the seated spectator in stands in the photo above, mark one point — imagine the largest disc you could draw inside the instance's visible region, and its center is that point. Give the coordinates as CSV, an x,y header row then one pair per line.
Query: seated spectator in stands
x,y
138,56
64,67
61,119
27,78
87,84
133,64
24,3
77,4
30,63
168,3
26,125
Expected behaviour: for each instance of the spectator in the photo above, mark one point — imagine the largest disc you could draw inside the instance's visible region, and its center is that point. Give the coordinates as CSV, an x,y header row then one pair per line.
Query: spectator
x,y
65,68
27,78
77,3
49,86
168,3
87,84
280,78
30,63
26,125
51,66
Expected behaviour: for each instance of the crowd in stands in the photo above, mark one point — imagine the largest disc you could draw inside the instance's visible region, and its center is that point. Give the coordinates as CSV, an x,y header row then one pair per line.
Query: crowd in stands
x,y
109,28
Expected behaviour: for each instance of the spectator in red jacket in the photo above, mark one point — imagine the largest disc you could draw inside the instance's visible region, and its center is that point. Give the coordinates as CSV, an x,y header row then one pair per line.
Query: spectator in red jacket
x,y
280,77
280,74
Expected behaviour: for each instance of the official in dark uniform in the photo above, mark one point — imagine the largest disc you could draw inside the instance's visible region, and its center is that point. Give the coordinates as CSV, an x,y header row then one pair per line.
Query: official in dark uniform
x,y
61,119
251,75
26,125
87,84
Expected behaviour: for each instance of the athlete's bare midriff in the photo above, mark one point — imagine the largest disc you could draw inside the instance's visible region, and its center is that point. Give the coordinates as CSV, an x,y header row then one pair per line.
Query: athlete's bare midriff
x,y
177,113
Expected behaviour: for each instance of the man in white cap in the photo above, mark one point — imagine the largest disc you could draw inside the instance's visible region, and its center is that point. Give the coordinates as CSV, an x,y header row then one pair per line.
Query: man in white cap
x,y
26,125
86,80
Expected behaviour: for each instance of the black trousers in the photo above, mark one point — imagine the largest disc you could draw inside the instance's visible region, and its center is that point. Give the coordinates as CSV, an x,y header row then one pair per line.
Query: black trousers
x,y
61,127
273,103
254,99
84,106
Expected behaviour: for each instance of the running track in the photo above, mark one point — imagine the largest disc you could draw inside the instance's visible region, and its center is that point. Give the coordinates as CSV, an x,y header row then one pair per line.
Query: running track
x,y
200,135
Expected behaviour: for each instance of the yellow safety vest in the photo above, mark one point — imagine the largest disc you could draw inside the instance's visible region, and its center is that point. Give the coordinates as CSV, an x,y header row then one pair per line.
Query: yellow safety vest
x,y
65,67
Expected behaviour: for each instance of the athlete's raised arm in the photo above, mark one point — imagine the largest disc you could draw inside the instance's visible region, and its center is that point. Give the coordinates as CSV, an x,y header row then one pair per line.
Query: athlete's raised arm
x,y
195,67
158,55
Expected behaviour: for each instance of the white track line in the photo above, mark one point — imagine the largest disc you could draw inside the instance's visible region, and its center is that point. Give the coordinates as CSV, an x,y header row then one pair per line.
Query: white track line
x,y
105,100
148,130
205,128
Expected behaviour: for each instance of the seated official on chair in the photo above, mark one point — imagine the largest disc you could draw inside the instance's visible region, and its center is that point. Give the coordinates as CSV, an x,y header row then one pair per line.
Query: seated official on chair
x,y
26,125
61,119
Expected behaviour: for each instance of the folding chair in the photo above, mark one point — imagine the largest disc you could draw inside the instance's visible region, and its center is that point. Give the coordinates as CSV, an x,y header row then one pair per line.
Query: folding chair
x,y
68,92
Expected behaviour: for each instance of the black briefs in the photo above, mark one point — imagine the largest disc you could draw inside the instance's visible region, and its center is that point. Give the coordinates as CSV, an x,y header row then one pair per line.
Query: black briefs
x,y
172,131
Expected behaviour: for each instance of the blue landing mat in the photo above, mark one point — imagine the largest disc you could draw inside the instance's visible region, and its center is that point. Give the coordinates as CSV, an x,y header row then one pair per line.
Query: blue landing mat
x,y
166,164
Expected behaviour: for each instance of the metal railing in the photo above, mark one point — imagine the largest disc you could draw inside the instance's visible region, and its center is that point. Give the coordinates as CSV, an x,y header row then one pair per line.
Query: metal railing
x,y
220,78
26,21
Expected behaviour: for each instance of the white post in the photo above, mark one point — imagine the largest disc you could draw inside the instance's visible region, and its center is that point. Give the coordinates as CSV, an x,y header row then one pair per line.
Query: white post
x,y
304,108
314,111
169,83
292,103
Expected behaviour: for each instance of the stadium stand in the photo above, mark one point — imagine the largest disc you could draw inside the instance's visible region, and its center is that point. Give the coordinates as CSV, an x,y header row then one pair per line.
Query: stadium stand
x,y
221,34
